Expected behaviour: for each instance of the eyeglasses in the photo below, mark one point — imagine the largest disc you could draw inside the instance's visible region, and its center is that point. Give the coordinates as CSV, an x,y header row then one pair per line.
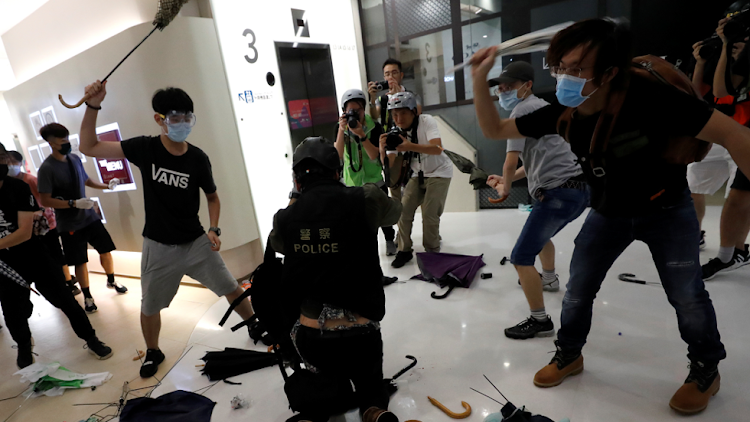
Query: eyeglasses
x,y
174,117
572,71
392,73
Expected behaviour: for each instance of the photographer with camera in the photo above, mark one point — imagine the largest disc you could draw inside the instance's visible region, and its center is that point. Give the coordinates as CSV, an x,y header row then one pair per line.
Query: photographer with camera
x,y
393,75
638,190
332,275
735,215
356,131
431,171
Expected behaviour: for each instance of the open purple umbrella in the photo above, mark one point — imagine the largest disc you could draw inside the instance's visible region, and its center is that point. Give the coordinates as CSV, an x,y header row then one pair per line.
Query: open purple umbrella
x,y
447,269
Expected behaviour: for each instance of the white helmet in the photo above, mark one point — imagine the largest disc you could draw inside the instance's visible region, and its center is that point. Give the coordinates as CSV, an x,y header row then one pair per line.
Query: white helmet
x,y
353,94
402,100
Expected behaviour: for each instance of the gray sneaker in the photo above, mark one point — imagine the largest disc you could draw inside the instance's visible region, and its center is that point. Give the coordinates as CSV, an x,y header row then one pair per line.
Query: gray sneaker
x,y
390,248
552,286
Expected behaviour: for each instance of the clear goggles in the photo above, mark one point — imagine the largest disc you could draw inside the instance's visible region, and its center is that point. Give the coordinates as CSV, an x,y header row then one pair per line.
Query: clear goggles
x,y
175,117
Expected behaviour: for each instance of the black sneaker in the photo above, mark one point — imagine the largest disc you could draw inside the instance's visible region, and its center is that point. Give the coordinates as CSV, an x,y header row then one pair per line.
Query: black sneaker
x,y
151,363
100,350
702,242
73,288
531,328
25,355
89,305
715,266
401,259
119,288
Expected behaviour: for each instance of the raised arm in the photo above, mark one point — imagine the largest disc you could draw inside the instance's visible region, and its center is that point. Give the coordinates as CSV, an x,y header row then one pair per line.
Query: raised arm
x,y
723,130
90,144
720,86
492,125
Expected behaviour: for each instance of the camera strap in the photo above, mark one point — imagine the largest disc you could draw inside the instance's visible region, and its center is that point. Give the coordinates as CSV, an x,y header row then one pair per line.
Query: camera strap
x,y
351,160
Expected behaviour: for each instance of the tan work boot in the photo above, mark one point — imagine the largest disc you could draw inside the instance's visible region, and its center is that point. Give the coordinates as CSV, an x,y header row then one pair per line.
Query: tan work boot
x,y
375,414
702,383
560,367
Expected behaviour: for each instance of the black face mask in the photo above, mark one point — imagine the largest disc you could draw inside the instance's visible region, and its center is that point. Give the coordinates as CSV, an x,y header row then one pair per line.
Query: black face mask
x,y
65,149
3,170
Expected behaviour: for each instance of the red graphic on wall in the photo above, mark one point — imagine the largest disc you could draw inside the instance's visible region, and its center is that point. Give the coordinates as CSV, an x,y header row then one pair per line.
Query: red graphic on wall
x,y
299,114
109,169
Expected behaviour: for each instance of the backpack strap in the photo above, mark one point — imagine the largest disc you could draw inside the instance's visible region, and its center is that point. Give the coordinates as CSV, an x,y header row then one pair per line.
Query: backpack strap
x,y
603,131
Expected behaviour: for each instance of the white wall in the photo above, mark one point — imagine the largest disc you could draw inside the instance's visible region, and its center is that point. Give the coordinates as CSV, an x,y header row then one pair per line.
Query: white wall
x,y
461,195
263,127
191,62
6,125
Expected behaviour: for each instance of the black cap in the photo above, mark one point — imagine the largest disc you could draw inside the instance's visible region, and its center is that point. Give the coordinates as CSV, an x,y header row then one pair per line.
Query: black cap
x,y
319,149
515,71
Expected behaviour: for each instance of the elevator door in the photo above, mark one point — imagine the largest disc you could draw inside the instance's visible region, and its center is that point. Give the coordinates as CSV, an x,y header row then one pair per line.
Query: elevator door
x,y
309,92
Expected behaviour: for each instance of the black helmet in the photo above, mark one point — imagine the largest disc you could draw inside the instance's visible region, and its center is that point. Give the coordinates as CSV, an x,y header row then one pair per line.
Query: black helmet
x,y
319,149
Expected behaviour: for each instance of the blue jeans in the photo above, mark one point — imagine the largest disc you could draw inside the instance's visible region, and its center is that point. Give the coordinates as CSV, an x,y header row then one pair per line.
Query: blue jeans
x,y
557,208
672,236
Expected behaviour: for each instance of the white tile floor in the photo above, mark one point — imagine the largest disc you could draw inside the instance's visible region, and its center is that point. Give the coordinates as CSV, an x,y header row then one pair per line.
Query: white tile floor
x,y
635,359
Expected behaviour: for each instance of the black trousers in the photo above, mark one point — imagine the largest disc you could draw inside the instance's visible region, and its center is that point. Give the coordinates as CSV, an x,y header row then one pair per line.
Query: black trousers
x,y
47,278
358,358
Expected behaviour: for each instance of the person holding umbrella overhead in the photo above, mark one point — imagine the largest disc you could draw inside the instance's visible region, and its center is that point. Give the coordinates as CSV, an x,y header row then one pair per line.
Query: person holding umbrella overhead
x,y
557,187
24,253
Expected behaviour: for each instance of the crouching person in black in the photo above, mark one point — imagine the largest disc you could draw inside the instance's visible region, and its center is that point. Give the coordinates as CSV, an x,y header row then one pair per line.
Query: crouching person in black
x,y
332,273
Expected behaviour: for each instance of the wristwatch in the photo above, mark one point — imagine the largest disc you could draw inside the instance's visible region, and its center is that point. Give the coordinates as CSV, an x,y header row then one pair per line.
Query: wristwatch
x,y
215,230
71,203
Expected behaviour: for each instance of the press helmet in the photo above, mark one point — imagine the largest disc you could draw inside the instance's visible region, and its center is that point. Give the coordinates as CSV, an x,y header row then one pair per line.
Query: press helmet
x,y
319,149
353,94
402,100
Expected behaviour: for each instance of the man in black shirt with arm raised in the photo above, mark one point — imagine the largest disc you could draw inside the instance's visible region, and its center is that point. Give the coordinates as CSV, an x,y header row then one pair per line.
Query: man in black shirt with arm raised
x,y
174,244
639,196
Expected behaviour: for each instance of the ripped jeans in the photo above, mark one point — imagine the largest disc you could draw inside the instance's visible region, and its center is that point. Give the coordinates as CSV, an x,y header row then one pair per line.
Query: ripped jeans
x,y
672,235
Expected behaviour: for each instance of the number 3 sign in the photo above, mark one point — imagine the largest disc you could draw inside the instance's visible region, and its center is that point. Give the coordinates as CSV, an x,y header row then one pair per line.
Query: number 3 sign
x,y
251,45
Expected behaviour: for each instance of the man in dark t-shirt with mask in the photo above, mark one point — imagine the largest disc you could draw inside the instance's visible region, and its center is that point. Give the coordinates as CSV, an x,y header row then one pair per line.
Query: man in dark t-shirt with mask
x,y
175,244
636,195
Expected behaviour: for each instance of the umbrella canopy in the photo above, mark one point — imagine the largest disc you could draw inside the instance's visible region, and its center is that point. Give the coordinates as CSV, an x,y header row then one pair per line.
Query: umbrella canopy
x,y
177,406
512,414
447,269
232,362
477,176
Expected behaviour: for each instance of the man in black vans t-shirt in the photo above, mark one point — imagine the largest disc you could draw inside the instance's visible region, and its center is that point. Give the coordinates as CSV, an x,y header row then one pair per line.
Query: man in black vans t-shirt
x,y
636,194
175,243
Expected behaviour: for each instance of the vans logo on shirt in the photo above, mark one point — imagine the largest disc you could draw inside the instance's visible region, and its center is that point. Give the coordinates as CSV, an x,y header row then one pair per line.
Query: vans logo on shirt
x,y
170,177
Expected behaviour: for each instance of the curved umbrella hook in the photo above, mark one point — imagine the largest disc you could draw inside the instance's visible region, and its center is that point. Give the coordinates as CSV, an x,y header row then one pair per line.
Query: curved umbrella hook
x,y
447,411
434,295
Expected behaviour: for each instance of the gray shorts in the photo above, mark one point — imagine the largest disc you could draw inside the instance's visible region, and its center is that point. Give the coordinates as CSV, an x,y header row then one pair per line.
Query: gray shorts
x,y
163,266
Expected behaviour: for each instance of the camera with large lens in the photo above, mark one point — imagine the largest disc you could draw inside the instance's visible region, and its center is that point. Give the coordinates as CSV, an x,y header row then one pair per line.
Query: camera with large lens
x,y
394,138
381,86
352,118
736,29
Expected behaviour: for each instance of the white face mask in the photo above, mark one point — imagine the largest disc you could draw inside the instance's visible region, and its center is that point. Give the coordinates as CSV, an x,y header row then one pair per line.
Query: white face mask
x,y
14,171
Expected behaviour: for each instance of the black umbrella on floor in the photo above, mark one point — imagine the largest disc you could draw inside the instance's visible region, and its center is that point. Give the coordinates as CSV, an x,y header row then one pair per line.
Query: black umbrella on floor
x,y
231,362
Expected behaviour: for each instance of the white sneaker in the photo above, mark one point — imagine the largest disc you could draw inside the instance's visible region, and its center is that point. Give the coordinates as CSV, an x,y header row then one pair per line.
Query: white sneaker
x,y
552,286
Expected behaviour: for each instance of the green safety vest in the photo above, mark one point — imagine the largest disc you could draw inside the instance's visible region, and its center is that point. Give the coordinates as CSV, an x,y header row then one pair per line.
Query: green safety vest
x,y
369,171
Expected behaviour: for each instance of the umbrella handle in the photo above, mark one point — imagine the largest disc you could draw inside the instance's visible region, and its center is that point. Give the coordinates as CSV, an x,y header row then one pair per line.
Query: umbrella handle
x,y
434,295
409,366
448,412
498,200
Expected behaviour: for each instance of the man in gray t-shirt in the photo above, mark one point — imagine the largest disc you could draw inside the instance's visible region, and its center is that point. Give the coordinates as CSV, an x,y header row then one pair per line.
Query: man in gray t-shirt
x,y
62,183
559,191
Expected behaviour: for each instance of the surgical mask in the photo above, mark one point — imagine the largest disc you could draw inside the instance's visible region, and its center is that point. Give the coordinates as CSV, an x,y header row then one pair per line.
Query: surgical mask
x,y
569,90
65,149
13,171
178,132
508,100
